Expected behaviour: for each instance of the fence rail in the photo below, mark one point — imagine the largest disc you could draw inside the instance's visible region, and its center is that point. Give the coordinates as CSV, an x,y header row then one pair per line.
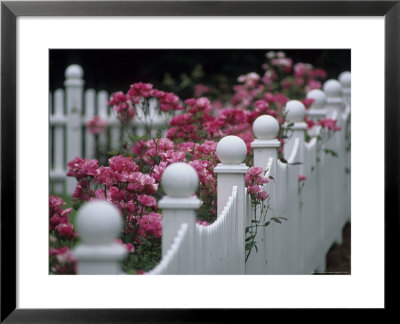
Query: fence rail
x,y
312,212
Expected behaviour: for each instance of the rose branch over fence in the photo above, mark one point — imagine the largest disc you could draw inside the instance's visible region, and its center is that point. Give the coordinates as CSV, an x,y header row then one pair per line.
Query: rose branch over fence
x,y
310,195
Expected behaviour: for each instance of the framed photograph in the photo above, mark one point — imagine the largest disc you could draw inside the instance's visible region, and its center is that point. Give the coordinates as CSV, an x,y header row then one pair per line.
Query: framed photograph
x,y
34,34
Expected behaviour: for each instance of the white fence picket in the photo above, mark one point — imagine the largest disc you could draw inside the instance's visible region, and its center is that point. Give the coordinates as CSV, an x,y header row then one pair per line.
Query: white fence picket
x,y
90,107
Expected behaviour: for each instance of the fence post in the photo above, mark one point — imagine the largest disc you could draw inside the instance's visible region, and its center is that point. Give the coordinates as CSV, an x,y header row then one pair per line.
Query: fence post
x,y
99,224
74,97
179,181
345,81
265,129
334,93
336,107
231,151
265,145
295,112
317,110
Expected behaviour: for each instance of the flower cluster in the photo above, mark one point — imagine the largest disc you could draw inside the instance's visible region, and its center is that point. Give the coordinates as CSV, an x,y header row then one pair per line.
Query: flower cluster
x,y
62,261
123,106
138,96
59,220
58,215
295,80
195,124
96,125
302,178
62,236
121,183
329,124
255,180
201,90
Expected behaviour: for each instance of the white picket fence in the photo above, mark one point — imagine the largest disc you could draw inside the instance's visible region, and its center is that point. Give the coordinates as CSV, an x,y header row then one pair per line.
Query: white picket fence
x,y
316,209
70,109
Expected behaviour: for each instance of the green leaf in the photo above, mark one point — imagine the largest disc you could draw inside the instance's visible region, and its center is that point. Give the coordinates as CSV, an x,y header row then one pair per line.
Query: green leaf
x,y
250,238
76,205
135,259
276,220
146,242
267,223
248,246
331,152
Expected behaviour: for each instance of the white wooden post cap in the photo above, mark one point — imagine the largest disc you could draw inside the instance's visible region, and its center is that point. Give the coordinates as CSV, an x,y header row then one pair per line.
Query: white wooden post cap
x,y
333,88
98,222
295,111
265,127
319,98
231,150
345,79
180,180
74,71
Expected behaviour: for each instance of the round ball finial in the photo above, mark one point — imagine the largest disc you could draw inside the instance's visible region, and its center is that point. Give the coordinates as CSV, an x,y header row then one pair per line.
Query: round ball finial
x,y
332,88
265,127
231,150
345,79
295,111
180,180
319,98
98,222
74,71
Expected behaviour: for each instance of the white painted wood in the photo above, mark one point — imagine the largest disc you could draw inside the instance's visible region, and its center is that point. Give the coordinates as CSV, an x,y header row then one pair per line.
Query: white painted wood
x,y
345,81
295,111
231,151
179,182
58,120
98,224
214,243
175,259
74,93
90,141
265,146
336,110
102,97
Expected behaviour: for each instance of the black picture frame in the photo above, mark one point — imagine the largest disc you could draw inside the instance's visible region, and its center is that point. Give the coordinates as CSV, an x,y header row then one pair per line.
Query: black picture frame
x,y
10,10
